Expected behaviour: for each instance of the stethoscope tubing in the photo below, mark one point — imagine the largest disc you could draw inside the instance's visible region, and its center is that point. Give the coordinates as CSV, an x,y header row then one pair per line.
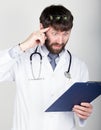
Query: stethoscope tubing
x,y
34,53
67,73
70,61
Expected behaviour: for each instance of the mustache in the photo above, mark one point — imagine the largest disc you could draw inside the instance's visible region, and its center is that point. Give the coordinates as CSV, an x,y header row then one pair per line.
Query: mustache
x,y
57,44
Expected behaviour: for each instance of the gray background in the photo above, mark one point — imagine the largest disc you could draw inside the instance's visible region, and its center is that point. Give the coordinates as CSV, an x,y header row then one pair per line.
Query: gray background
x,y
19,18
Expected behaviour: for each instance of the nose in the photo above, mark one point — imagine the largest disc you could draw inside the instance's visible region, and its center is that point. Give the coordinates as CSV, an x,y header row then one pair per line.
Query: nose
x,y
60,40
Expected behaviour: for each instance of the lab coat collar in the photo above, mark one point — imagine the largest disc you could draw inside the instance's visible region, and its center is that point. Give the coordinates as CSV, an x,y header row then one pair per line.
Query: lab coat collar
x,y
63,57
44,51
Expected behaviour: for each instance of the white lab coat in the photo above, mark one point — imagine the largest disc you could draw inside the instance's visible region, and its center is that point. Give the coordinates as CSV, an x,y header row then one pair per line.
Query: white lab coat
x,y
33,97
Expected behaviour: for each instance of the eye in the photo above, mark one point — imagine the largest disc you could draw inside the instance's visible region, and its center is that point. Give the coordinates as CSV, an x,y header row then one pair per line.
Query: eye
x,y
54,33
66,34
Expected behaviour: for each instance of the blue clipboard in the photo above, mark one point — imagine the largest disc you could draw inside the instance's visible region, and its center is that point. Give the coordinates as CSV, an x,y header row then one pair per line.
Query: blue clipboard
x,y
77,93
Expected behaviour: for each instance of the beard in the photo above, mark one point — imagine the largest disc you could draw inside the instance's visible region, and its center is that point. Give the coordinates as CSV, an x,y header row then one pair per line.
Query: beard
x,y
54,48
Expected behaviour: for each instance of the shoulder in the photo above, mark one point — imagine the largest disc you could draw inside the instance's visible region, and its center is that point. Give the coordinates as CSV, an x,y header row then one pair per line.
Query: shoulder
x,y
78,61
74,59
80,67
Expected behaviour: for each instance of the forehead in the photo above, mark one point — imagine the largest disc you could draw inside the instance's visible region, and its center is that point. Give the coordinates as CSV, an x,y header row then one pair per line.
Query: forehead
x,y
51,29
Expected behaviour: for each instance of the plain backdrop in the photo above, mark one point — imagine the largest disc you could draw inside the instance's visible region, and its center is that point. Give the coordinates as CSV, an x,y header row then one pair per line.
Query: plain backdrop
x,y
19,18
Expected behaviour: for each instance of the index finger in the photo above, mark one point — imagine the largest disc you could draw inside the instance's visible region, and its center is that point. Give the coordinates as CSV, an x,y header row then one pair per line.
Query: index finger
x,y
86,104
44,30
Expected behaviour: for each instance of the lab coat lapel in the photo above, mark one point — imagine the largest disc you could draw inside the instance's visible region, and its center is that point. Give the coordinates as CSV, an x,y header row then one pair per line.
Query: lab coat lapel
x,y
63,62
56,83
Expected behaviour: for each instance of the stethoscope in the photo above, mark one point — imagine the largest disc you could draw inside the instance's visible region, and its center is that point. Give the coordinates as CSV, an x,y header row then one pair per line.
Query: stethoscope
x,y
66,73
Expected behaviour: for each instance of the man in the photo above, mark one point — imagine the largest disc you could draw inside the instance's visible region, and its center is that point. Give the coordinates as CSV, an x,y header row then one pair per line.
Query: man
x,y
38,85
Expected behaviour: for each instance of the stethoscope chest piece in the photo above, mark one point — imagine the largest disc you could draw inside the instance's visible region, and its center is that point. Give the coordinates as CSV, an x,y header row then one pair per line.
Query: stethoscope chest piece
x,y
67,75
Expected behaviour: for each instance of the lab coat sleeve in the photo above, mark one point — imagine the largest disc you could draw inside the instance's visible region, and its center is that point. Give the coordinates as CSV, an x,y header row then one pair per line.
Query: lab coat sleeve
x,y
82,122
8,59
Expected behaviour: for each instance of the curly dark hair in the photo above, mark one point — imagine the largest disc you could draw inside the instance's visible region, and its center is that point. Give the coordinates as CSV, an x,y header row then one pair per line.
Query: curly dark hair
x,y
58,17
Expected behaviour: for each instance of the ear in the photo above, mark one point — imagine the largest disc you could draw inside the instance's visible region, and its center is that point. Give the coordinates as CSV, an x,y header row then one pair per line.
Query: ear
x,y
41,26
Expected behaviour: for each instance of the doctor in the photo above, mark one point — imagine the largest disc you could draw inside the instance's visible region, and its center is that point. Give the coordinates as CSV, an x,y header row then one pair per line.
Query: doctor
x,y
38,85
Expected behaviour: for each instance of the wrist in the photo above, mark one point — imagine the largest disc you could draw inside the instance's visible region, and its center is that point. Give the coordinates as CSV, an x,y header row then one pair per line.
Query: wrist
x,y
23,46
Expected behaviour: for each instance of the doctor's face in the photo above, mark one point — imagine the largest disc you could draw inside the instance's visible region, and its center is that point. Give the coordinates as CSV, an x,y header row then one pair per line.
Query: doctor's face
x,y
56,40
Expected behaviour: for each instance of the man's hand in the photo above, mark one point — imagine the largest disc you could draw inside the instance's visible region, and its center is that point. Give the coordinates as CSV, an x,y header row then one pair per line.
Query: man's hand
x,y
34,39
84,110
